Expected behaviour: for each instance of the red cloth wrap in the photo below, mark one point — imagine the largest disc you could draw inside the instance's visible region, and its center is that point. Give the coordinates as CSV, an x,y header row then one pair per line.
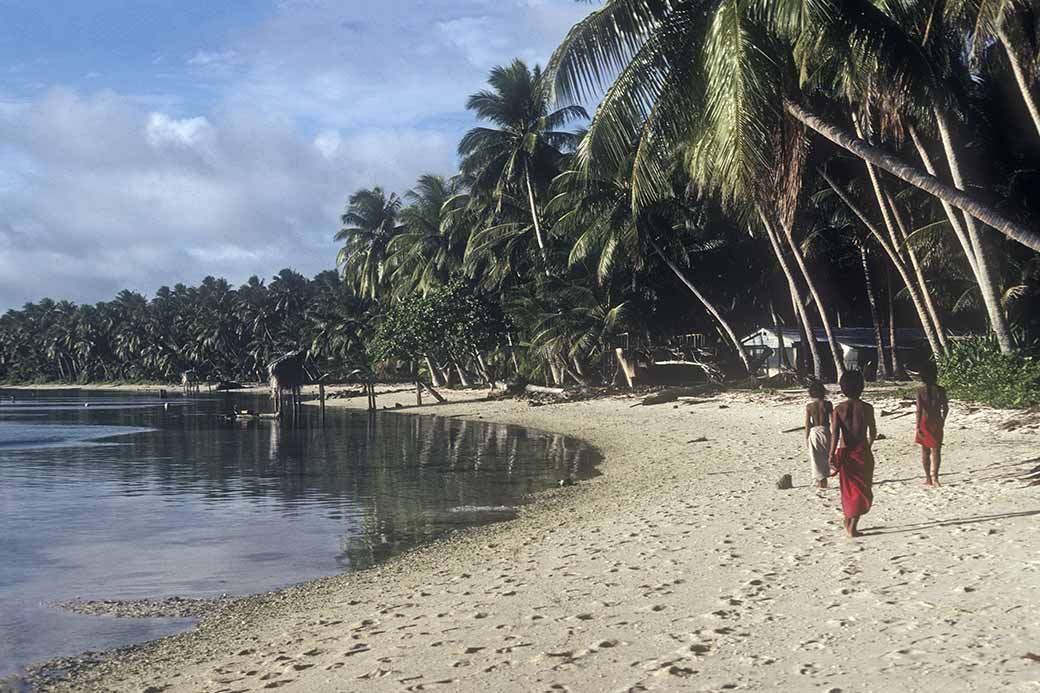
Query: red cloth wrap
x,y
856,468
929,430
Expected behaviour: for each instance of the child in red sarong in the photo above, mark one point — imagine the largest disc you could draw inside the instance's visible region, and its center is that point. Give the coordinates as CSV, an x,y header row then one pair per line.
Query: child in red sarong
x,y
853,431
932,409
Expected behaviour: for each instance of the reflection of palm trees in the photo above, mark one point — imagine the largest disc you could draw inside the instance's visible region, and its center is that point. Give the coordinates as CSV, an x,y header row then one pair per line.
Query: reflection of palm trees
x,y
397,479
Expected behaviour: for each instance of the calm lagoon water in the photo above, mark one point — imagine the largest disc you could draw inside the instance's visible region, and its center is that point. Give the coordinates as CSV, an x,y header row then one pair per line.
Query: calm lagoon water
x,y
128,499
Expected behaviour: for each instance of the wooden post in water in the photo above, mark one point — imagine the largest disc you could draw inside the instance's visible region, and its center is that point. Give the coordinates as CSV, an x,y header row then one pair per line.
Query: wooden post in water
x,y
418,393
321,399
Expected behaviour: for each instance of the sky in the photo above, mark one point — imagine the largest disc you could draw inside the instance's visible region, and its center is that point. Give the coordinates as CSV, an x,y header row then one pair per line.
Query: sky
x,y
152,142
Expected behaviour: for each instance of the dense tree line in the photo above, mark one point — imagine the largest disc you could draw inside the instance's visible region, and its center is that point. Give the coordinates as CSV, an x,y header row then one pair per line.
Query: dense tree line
x,y
215,329
749,162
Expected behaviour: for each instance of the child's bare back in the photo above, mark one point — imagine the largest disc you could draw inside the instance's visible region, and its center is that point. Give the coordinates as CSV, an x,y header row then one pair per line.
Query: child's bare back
x,y
854,422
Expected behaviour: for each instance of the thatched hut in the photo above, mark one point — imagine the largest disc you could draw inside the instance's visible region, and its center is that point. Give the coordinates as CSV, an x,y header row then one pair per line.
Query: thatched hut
x,y
190,381
287,373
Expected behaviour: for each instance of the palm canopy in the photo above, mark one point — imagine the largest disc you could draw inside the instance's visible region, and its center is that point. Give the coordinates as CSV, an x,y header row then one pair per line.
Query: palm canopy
x,y
432,241
369,224
518,155
733,83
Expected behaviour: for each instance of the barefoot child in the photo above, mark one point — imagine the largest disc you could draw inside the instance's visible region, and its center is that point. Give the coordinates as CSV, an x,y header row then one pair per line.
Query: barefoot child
x,y
818,433
853,432
932,409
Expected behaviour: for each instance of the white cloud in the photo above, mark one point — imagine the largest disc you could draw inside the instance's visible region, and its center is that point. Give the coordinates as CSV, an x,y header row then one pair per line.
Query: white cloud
x,y
238,158
90,208
328,142
188,132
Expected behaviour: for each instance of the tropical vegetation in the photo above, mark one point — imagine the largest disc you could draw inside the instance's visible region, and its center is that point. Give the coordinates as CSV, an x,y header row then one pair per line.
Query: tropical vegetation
x,y
805,163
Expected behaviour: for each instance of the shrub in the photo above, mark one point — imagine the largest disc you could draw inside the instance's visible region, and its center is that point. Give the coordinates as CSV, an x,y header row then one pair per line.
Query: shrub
x,y
975,370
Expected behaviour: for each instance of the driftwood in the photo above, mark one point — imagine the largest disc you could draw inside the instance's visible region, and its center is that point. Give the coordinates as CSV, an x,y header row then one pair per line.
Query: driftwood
x,y
544,390
792,430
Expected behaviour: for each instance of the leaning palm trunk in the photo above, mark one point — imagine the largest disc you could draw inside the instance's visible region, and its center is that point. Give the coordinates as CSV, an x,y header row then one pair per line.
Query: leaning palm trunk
x,y
534,213
435,376
900,169
882,367
741,352
951,214
893,255
915,264
836,353
987,285
1020,78
897,234
796,295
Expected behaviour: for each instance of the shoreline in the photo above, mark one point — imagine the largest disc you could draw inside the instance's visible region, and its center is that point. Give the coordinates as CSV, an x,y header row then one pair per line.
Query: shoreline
x,y
652,574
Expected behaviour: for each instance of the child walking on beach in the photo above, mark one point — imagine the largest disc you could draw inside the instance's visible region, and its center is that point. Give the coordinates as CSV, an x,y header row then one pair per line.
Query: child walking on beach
x,y
818,433
853,431
932,409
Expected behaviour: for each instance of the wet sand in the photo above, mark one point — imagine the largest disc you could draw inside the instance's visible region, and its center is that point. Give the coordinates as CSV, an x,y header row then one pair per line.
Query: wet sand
x,y
682,566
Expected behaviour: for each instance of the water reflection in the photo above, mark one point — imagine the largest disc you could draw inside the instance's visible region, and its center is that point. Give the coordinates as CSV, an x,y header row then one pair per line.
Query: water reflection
x,y
131,498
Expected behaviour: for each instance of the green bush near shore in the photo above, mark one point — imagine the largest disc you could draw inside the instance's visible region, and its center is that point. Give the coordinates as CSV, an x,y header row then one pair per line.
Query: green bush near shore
x,y
976,371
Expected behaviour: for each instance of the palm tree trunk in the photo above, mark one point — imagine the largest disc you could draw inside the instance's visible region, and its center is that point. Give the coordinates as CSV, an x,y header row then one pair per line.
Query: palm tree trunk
x,y
782,360
922,314
897,368
955,222
987,284
882,367
900,169
1020,78
915,264
435,376
741,352
534,213
512,353
463,380
796,296
897,234
836,353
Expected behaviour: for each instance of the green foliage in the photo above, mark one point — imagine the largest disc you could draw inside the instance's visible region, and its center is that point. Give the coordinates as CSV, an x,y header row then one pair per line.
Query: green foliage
x,y
976,371
214,329
450,322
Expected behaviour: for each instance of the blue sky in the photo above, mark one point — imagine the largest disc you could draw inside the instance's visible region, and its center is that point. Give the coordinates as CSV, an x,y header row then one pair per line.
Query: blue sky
x,y
150,142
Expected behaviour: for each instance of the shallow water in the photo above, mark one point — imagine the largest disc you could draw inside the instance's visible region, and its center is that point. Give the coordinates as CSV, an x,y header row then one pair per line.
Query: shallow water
x,y
134,497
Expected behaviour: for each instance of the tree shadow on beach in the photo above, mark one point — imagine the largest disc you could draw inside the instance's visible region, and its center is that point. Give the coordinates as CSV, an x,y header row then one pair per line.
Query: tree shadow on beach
x,y
898,529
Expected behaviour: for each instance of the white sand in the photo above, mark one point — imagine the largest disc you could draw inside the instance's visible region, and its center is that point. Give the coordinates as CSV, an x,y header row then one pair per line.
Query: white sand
x,y
681,567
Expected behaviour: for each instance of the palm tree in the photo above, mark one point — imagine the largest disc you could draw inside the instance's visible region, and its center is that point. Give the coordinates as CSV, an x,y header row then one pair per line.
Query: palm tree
x,y
719,77
521,153
432,243
596,212
369,224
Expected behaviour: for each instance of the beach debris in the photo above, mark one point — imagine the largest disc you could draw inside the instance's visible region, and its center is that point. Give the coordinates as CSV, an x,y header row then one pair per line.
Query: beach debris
x,y
785,482
701,439
793,429
783,380
566,482
674,393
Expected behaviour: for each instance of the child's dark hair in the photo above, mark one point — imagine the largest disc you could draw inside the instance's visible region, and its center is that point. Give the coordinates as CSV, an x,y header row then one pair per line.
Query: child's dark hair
x,y
928,373
816,390
852,384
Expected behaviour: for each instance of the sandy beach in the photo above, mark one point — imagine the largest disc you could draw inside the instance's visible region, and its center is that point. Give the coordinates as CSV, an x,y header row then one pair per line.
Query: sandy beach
x,y
681,567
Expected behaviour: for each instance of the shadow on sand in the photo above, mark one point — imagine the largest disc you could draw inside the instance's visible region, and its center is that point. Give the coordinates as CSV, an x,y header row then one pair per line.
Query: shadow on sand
x,y
898,529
